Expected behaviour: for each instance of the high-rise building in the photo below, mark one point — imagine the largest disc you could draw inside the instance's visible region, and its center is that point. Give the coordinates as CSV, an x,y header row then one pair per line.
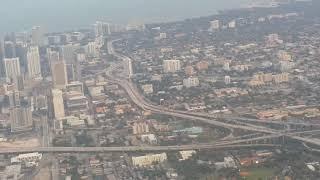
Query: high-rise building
x,y
37,36
64,38
59,74
18,83
33,61
10,37
68,52
12,67
77,71
232,24
58,104
9,49
53,40
102,28
2,69
21,53
71,74
14,99
52,55
21,119
22,37
76,36
227,79
214,25
91,49
128,62
171,66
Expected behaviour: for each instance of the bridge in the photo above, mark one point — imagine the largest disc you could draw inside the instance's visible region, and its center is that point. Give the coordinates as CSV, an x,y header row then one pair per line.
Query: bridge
x,y
263,133
130,148
140,101
252,142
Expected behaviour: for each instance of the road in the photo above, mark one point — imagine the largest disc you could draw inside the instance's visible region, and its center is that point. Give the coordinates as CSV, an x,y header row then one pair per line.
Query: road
x,y
139,100
131,148
144,104
46,133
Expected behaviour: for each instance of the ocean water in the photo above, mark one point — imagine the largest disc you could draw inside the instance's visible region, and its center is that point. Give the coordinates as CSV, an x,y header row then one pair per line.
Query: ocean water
x,y
58,15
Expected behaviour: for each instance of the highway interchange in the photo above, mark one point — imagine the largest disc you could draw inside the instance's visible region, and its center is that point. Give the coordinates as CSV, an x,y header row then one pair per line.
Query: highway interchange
x,y
236,123
139,100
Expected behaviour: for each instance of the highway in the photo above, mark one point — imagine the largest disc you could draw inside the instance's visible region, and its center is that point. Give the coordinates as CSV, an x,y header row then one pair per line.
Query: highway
x,y
140,101
129,148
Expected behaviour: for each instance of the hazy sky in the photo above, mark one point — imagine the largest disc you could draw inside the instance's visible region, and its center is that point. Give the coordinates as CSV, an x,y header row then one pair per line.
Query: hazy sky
x,y
17,15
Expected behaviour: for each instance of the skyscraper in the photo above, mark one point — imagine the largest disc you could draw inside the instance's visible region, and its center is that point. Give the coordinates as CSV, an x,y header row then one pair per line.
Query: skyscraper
x,y
59,74
12,67
37,36
58,105
14,99
102,28
214,25
91,49
52,55
68,52
9,49
21,119
2,69
33,60
21,53
71,72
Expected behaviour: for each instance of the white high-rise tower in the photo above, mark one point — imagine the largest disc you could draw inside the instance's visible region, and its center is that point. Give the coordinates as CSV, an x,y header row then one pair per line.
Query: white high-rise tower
x,y
12,67
33,61
58,105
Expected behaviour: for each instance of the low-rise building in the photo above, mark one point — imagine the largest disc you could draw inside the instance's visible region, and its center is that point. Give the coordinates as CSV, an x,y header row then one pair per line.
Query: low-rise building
x,y
140,128
191,82
73,121
29,157
149,138
147,88
228,162
202,66
76,103
186,154
149,159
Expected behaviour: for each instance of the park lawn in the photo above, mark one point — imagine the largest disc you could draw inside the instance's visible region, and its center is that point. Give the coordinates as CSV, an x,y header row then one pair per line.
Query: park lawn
x,y
258,173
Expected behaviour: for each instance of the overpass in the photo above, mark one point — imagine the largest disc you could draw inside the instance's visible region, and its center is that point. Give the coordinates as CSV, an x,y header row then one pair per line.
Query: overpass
x,y
140,101
255,142
239,143
129,148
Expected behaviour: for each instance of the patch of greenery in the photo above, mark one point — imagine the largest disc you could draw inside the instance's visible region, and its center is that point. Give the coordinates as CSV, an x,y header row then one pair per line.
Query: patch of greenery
x,y
258,173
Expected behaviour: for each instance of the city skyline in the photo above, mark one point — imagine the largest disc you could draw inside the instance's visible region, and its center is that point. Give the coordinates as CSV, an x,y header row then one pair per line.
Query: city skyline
x,y
233,95
55,16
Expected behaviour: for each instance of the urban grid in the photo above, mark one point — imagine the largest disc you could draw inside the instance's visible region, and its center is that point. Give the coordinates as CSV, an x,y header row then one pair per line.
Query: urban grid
x,y
234,95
